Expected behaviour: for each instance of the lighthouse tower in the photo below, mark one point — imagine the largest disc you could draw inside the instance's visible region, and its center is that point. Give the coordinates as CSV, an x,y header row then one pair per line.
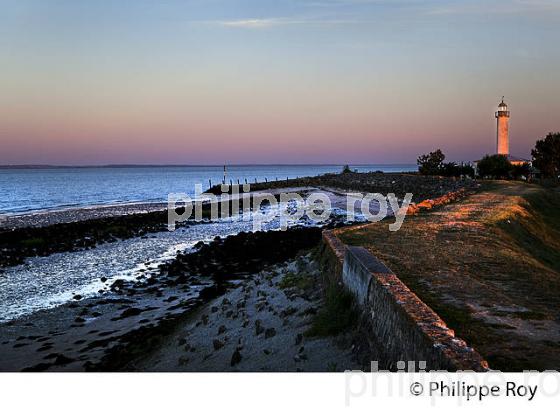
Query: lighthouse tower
x,y
502,133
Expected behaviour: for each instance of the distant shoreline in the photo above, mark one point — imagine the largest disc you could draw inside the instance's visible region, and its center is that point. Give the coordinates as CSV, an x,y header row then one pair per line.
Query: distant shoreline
x,y
38,166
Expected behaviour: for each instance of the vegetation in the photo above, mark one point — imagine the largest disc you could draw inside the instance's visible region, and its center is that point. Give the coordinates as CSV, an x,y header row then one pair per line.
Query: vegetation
x,y
337,315
295,280
521,171
432,164
495,166
546,155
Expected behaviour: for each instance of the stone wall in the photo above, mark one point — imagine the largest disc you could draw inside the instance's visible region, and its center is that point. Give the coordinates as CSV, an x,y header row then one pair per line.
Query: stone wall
x,y
396,319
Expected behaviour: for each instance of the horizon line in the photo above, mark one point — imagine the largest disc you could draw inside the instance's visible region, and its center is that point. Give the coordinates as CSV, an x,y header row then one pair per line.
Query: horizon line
x,y
38,166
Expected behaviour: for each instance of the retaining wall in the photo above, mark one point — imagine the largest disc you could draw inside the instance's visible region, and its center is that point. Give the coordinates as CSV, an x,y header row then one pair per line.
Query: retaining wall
x,y
396,319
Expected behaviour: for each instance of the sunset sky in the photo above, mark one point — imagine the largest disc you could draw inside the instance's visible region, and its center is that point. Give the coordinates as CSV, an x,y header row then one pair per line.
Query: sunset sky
x,y
273,81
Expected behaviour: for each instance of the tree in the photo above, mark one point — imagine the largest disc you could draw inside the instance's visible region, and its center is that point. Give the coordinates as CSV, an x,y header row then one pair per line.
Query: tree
x,y
494,166
432,163
450,169
467,170
546,155
519,171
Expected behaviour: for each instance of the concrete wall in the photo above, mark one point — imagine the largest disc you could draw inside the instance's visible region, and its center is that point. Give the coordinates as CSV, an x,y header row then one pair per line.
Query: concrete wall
x,y
397,320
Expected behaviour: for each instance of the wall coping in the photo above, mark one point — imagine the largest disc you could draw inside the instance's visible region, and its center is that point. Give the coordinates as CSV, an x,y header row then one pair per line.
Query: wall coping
x,y
435,333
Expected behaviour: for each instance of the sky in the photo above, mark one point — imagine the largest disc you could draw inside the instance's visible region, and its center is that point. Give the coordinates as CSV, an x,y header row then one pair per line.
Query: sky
x,y
273,81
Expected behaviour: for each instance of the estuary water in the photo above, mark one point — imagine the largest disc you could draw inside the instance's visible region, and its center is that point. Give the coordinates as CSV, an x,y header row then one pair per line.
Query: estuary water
x,y
38,189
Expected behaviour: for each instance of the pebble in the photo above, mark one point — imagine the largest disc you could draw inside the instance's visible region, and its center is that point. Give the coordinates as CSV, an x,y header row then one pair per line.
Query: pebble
x,y
218,344
235,357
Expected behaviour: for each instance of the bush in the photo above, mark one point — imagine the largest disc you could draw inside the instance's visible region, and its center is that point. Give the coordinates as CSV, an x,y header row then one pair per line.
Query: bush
x,y
432,164
520,171
494,166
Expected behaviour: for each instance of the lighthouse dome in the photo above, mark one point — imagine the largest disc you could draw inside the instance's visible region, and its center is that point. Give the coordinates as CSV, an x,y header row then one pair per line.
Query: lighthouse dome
x,y
502,104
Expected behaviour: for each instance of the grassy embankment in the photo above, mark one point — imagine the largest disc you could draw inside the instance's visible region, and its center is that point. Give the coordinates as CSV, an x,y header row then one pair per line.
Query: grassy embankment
x,y
489,266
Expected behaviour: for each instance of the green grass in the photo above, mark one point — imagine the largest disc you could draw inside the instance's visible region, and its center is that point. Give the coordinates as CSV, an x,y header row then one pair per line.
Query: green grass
x,y
296,280
337,315
538,231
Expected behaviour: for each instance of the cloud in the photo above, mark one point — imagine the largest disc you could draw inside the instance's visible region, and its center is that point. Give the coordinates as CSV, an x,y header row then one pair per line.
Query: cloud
x,y
263,23
259,23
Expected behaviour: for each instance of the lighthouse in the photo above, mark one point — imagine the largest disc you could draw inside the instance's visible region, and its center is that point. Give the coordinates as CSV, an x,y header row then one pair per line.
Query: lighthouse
x,y
502,129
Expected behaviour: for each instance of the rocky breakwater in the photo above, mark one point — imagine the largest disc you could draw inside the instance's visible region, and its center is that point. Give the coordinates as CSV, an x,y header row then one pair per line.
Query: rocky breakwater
x,y
16,244
429,204
422,187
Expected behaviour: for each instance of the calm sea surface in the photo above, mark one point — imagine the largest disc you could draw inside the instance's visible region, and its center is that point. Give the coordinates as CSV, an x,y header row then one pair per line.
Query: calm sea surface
x,y
28,190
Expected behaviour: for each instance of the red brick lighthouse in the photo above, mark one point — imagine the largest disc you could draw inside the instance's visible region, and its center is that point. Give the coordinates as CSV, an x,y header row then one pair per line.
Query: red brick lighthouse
x,y
502,133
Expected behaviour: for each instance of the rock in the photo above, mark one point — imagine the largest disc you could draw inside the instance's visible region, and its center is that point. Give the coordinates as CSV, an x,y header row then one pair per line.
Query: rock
x,y
214,309
270,332
235,357
79,320
130,312
183,361
299,338
118,284
300,357
77,297
266,351
182,341
221,329
289,311
103,279
258,327
218,344
205,319
62,360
